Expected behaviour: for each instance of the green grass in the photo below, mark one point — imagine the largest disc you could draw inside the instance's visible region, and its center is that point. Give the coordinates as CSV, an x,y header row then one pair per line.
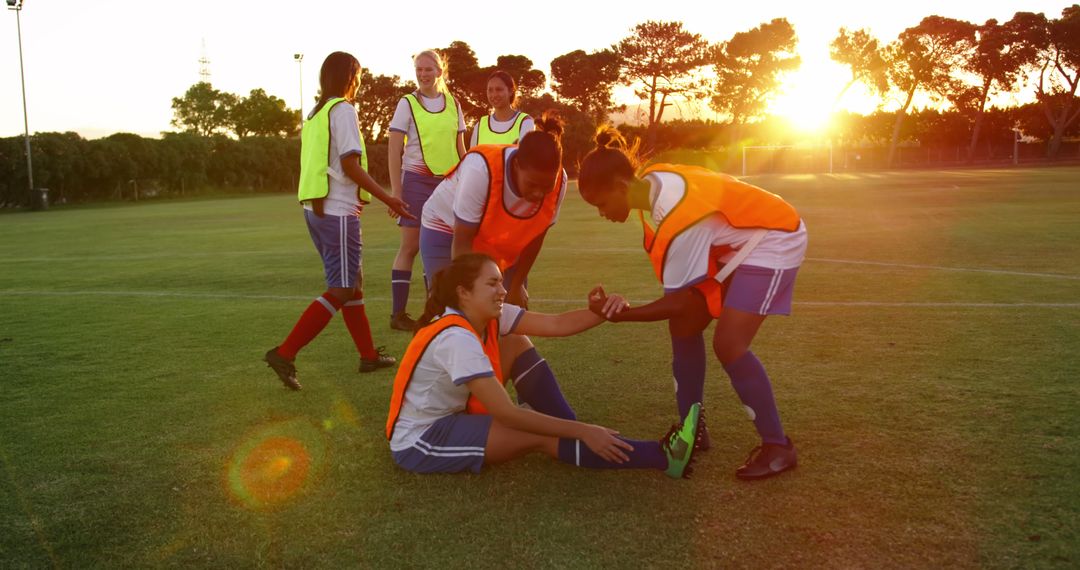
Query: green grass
x,y
937,411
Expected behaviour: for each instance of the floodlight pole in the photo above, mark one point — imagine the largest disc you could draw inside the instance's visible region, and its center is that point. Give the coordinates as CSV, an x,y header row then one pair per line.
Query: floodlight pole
x,y
299,57
17,6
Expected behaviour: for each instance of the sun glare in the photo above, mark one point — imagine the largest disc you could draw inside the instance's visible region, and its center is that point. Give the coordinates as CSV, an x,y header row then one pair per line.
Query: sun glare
x,y
808,98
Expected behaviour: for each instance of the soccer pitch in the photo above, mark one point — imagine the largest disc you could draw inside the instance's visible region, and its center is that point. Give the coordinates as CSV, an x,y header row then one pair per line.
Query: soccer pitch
x,y
929,376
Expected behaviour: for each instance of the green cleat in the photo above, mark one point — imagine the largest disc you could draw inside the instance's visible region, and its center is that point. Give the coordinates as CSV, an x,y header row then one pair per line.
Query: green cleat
x,y
680,442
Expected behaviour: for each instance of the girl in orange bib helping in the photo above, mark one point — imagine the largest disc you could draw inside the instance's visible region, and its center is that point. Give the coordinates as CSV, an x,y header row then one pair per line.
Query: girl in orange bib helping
x,y
500,200
449,411
725,251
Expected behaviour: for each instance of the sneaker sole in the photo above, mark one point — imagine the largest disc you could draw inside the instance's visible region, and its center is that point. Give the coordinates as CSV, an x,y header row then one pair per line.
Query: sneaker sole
x,y
786,468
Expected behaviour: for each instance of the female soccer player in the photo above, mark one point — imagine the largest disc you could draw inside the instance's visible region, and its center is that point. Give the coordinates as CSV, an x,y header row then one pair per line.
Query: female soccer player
x,y
505,124
501,200
450,413
426,140
709,228
333,166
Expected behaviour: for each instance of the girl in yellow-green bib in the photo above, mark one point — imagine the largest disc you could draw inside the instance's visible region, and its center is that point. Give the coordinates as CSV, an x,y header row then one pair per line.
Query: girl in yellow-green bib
x,y
505,124
427,138
333,170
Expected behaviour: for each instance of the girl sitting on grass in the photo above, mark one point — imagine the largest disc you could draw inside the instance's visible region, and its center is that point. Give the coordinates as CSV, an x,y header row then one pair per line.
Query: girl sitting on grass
x,y
449,411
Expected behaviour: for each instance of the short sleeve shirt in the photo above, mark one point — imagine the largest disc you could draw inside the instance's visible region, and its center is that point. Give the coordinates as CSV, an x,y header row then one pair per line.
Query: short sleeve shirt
x,y
342,199
438,387
402,122
462,197
687,261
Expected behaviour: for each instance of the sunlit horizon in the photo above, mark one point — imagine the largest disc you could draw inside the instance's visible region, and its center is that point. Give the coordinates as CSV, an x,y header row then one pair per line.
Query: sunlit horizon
x,y
115,66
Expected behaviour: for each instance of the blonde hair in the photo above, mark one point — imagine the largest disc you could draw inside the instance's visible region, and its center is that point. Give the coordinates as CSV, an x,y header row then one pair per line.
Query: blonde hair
x,y
440,62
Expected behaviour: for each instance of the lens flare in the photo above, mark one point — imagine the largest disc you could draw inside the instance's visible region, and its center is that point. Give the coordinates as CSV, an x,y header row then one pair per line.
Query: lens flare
x,y
274,464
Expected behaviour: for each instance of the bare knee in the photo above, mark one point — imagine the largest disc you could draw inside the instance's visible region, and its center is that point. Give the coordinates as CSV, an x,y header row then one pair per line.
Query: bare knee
x,y
511,347
728,352
693,320
341,294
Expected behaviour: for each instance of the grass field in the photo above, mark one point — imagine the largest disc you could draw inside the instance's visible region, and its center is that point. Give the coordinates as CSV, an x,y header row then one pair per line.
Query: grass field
x,y
929,376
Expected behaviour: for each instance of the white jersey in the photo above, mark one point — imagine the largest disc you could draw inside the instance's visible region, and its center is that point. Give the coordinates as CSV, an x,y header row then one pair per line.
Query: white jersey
x,y
402,122
461,197
527,126
342,199
437,389
687,260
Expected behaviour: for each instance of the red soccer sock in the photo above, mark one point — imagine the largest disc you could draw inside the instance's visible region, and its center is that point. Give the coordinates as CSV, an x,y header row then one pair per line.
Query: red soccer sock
x,y
311,323
359,327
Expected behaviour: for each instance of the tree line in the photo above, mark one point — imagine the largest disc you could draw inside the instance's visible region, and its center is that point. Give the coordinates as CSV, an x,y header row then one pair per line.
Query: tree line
x,y
250,143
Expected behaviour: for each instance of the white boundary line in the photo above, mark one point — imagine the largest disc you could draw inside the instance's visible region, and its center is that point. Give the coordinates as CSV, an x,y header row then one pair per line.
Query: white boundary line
x,y
197,295
196,255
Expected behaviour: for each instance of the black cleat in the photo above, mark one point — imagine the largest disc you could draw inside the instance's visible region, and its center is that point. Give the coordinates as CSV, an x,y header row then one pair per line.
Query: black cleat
x,y
402,322
381,360
768,459
284,368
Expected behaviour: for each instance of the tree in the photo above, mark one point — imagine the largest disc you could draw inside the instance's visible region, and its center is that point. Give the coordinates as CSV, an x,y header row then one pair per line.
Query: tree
x,y
1057,43
378,97
529,81
468,80
661,60
203,110
861,53
923,58
465,78
264,115
996,60
749,67
586,80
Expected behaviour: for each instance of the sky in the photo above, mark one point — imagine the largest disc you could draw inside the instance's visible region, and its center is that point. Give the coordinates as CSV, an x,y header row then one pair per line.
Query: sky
x,y
109,66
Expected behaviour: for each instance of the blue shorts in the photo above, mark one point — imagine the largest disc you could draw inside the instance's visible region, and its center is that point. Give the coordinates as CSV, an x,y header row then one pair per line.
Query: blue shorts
x,y
452,444
761,290
435,251
337,239
415,190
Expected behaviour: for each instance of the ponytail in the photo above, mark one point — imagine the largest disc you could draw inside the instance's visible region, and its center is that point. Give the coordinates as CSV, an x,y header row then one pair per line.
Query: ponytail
x,y
542,149
612,159
337,72
462,272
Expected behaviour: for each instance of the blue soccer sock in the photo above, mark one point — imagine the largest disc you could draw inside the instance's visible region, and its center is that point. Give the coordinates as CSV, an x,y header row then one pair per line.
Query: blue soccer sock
x,y
536,386
646,455
752,384
399,290
688,367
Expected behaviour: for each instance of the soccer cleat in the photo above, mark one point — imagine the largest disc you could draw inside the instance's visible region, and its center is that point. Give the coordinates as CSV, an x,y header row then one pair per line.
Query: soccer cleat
x,y
284,368
704,441
768,459
402,322
381,360
680,442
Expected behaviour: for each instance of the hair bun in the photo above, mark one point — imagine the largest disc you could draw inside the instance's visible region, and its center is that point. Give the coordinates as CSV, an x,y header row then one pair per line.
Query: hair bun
x,y
550,122
609,137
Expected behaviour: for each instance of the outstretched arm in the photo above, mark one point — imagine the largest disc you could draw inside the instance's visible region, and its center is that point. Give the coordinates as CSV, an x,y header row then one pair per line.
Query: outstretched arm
x,y
571,322
662,309
599,439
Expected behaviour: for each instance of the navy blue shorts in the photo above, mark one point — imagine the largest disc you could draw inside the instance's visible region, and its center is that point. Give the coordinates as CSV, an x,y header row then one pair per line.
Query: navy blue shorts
x,y
452,444
415,190
761,290
337,239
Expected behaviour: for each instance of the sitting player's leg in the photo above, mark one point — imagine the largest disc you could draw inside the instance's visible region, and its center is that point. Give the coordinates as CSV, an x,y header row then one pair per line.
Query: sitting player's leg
x,y
533,379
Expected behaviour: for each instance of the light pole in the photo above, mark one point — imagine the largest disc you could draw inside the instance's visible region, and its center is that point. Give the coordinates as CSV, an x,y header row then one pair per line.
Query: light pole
x,y
299,57
17,6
